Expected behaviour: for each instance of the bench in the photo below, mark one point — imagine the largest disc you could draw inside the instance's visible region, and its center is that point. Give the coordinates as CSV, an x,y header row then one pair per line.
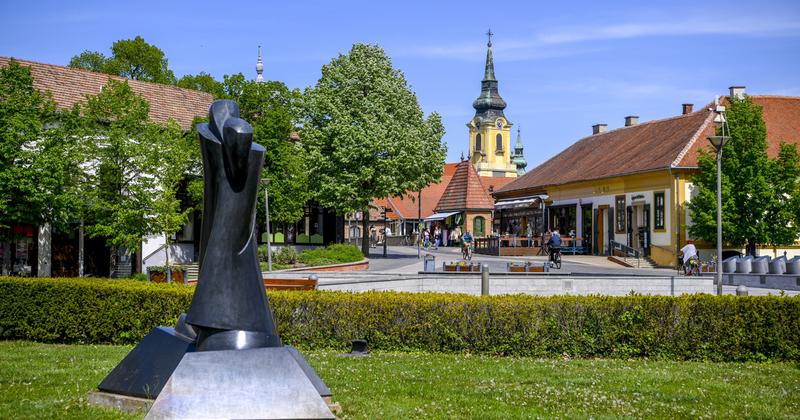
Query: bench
x,y
290,284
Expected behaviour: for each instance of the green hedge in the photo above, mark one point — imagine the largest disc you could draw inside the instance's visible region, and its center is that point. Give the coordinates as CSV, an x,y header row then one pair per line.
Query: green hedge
x,y
687,327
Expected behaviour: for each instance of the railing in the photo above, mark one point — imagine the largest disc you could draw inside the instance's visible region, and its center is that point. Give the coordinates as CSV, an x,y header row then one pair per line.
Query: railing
x,y
627,252
489,245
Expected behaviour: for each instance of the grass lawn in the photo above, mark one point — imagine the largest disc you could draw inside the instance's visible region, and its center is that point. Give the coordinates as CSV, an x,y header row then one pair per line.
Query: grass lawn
x,y
46,381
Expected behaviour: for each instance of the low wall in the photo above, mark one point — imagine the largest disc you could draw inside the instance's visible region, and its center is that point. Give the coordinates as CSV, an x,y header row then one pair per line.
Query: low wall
x,y
772,281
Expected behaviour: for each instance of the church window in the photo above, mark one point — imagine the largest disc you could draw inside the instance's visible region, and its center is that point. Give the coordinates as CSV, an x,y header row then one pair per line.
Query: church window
x,y
499,141
660,218
479,226
478,141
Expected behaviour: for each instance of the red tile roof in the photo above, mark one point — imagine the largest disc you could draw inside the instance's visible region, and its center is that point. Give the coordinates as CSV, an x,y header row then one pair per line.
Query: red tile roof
x,y
465,191
70,86
406,207
494,183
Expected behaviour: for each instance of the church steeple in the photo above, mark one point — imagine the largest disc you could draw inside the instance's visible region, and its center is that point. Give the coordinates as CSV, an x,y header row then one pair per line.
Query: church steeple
x,y
517,158
489,104
259,67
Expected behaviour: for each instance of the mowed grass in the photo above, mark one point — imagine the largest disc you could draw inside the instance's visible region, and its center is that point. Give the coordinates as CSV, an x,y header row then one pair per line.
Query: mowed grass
x,y
47,381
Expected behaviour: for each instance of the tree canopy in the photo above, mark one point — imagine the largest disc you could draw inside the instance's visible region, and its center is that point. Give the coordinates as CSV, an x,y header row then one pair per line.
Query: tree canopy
x,y
760,195
131,58
365,133
203,82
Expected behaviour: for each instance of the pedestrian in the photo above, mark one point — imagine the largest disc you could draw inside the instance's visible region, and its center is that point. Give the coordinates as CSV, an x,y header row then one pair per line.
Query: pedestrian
x,y
530,235
437,237
426,241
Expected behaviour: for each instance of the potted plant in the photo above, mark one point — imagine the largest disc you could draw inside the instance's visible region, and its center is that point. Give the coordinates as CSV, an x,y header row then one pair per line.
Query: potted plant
x,y
161,274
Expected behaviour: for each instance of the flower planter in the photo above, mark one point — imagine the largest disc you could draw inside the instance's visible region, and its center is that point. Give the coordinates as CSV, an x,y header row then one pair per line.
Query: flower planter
x,y
460,267
178,276
525,268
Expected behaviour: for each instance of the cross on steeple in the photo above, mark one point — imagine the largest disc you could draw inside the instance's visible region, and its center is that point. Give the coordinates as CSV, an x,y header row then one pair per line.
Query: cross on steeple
x,y
489,34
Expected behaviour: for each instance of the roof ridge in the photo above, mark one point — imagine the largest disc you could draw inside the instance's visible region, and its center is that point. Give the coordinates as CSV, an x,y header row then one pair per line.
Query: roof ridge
x,y
691,141
110,76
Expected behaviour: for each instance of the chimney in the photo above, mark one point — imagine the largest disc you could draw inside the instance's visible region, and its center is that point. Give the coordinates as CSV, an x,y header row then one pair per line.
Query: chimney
x,y
599,128
687,108
737,92
631,120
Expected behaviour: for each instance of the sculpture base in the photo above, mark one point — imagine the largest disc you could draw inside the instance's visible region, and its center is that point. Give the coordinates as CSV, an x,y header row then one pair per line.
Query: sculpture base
x,y
145,370
133,405
253,383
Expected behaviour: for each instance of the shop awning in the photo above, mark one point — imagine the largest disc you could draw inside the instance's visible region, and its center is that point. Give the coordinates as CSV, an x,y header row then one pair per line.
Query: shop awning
x,y
440,216
517,203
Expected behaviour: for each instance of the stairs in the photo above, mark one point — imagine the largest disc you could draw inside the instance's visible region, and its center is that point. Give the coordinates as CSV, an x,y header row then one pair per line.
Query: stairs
x,y
192,270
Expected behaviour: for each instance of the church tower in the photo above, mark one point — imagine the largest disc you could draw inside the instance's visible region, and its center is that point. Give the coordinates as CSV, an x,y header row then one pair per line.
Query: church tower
x,y
517,158
489,130
259,67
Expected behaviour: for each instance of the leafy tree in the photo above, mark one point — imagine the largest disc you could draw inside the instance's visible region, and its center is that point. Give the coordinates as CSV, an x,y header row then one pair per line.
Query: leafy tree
x,y
272,110
366,135
131,58
203,82
89,60
760,195
134,169
39,158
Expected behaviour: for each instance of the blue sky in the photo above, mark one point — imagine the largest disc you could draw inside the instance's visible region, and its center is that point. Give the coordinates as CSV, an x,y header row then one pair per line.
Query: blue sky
x,y
562,66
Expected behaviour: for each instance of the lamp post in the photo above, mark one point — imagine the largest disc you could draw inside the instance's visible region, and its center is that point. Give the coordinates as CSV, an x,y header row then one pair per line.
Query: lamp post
x,y
266,182
719,142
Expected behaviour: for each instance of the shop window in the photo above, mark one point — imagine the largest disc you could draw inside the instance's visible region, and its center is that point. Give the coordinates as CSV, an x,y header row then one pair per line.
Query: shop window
x,y
660,214
620,213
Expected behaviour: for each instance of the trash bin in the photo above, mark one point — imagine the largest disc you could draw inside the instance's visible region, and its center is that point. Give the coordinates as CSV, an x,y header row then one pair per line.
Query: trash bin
x,y
429,263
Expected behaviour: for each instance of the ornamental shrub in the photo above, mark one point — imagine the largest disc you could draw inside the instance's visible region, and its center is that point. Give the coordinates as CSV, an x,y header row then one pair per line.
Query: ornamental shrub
x,y
696,327
333,254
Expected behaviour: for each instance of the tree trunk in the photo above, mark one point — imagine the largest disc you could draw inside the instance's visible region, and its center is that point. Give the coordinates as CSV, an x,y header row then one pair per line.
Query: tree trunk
x,y
751,247
365,233
45,251
112,261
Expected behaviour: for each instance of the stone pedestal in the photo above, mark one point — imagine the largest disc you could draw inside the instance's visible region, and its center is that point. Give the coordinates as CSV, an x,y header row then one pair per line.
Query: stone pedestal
x,y
254,383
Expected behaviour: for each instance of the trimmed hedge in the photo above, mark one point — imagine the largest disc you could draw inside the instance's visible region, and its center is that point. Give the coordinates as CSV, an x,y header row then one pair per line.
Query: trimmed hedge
x,y
700,327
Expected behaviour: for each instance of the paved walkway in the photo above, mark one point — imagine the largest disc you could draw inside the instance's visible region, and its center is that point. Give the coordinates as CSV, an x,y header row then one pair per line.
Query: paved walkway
x,y
403,259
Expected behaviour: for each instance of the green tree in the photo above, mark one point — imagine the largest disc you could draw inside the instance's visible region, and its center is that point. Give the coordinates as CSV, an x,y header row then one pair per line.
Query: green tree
x,y
89,60
131,58
203,82
366,135
133,170
760,194
39,157
272,109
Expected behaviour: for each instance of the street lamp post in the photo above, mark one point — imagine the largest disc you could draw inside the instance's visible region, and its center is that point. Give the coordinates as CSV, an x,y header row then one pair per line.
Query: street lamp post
x,y
385,231
719,142
266,182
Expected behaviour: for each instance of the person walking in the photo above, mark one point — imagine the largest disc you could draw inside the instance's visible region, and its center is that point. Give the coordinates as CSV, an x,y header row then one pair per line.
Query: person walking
x,y
437,237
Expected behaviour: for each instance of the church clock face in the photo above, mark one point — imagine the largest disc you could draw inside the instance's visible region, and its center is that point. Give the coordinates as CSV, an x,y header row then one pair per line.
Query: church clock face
x,y
478,124
499,124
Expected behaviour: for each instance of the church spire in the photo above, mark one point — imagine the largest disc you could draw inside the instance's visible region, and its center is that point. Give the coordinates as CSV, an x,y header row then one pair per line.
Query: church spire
x,y
489,104
259,67
517,158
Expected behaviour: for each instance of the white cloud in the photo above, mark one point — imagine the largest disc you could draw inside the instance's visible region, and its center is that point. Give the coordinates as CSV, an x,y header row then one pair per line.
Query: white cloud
x,y
550,42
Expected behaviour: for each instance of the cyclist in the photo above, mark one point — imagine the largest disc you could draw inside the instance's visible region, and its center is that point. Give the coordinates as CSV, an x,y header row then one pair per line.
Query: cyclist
x,y
690,260
466,245
554,246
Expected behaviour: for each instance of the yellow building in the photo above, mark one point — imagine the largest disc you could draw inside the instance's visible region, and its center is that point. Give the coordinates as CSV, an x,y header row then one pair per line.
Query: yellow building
x,y
630,186
489,130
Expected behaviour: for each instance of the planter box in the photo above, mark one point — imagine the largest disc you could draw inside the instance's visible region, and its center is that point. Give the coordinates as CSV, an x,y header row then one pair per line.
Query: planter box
x,y
178,276
525,268
472,267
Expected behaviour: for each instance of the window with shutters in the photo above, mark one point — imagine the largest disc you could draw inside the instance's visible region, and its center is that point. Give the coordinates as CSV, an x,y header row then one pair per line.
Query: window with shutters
x,y
620,213
659,216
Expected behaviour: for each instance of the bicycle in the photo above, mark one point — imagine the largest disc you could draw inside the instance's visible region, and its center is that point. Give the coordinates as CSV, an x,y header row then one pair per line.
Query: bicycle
x,y
692,267
466,251
555,256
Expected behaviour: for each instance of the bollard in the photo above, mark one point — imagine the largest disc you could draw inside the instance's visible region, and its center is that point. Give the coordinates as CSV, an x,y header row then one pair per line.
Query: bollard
x,y
313,277
741,290
485,281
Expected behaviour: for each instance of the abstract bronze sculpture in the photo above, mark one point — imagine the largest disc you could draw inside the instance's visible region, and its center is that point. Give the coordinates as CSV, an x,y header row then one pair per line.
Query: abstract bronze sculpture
x,y
224,358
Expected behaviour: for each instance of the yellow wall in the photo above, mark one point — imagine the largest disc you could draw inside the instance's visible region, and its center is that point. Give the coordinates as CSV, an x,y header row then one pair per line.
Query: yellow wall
x,y
489,159
470,221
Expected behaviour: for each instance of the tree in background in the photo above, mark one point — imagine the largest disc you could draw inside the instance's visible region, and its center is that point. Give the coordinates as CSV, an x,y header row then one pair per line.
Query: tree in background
x,y
39,158
366,136
130,170
131,58
760,195
203,82
272,109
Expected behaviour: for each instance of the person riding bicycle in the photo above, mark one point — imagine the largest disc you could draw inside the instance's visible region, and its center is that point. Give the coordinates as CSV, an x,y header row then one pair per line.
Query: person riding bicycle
x,y
466,241
689,257
554,245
